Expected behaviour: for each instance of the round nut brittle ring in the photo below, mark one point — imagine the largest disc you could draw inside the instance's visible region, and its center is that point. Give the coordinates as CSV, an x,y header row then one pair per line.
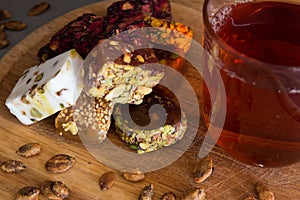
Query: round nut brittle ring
x,y
117,158
165,129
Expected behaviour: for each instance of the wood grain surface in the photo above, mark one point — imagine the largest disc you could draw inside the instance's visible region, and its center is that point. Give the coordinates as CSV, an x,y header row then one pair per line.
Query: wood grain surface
x,y
230,180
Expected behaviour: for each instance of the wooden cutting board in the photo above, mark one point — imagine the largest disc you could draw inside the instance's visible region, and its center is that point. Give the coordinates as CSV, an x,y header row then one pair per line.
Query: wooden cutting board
x,y
230,180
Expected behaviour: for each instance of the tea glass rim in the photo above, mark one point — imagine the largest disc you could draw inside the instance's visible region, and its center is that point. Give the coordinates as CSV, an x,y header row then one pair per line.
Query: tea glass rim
x,y
216,38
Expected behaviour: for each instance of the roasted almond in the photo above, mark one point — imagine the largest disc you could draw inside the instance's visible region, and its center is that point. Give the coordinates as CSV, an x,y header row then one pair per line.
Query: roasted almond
x,y
29,149
59,163
264,193
4,14
10,166
46,190
133,175
38,9
60,189
168,196
2,32
251,197
15,25
107,180
194,194
4,43
56,190
203,170
147,192
28,193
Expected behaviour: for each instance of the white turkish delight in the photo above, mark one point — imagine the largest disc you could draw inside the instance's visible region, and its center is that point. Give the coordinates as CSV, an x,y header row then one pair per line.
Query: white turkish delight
x,y
47,88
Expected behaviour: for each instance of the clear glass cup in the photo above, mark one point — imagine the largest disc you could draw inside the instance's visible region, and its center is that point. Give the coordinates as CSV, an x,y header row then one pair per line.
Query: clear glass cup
x,y
256,48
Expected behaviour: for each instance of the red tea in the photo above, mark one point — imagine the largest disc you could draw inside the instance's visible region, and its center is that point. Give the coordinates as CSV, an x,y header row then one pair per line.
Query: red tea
x,y
262,125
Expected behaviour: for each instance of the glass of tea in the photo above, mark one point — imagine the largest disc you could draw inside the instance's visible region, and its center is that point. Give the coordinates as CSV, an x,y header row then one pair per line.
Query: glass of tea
x,y
256,49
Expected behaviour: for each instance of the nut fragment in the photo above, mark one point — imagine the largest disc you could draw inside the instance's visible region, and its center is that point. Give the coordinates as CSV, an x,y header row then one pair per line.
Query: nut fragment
x,y
264,193
28,193
4,43
168,196
195,194
38,9
107,180
127,6
46,190
15,25
65,125
134,175
203,170
55,190
12,166
173,34
29,149
60,189
2,33
147,192
59,163
4,14
250,198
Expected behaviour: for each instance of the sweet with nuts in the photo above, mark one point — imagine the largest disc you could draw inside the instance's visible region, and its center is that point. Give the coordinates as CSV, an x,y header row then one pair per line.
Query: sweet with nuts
x,y
143,137
160,9
85,32
46,88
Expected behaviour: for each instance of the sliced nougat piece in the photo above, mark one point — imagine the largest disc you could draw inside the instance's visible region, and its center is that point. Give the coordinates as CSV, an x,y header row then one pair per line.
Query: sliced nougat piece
x,y
160,9
170,39
46,88
129,86
116,72
89,115
86,31
171,33
93,115
73,35
145,128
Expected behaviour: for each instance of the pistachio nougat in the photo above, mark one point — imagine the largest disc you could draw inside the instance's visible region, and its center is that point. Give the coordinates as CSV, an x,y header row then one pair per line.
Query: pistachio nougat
x,y
46,88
